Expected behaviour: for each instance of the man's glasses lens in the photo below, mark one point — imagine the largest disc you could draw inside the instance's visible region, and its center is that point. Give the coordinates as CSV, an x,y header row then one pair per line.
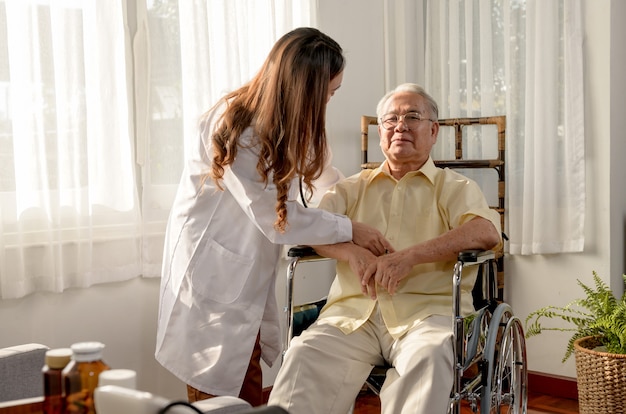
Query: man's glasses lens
x,y
410,119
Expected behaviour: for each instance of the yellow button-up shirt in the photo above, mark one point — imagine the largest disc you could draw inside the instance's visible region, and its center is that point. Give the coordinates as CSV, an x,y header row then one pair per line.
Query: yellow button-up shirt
x,y
421,206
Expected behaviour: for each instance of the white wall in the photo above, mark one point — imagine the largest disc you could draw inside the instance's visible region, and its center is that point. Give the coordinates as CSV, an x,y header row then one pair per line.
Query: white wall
x,y
357,26
123,315
618,141
120,315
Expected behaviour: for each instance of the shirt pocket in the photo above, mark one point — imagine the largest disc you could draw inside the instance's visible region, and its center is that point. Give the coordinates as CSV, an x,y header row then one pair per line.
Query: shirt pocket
x,y
220,274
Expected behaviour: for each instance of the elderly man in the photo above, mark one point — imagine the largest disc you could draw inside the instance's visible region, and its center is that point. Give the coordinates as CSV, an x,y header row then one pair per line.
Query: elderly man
x,y
394,308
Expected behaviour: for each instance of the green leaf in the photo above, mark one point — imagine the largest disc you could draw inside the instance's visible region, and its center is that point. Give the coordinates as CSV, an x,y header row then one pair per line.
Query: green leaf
x,y
599,314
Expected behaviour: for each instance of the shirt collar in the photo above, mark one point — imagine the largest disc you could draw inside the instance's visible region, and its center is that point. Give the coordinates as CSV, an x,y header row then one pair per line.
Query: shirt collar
x,y
428,170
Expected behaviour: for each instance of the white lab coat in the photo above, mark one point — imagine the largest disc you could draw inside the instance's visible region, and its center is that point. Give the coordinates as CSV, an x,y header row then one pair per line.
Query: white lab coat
x,y
220,257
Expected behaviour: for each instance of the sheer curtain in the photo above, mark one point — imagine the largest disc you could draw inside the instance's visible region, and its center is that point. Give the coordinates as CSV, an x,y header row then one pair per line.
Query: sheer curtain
x,y
68,202
93,126
522,59
194,52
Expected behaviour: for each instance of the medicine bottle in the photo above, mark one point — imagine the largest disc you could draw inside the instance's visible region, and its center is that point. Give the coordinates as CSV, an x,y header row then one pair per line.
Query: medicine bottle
x,y
80,377
56,360
126,378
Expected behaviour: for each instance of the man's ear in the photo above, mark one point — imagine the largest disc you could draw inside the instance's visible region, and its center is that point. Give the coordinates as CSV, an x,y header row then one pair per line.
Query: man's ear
x,y
434,129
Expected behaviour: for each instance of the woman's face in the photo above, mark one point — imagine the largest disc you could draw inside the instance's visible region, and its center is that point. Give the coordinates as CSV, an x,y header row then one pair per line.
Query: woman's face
x,y
335,83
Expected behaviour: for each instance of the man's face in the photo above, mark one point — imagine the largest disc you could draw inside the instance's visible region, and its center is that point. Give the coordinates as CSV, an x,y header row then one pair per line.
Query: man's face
x,y
403,145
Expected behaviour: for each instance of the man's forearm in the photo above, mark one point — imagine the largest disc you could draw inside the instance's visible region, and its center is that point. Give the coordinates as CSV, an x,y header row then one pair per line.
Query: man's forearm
x,y
478,233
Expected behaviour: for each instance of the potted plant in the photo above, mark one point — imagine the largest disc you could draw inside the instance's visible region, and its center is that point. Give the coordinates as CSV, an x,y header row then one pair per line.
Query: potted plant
x,y
598,342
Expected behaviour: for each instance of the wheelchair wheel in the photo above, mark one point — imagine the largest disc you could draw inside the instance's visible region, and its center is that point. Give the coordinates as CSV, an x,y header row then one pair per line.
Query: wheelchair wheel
x,y
505,388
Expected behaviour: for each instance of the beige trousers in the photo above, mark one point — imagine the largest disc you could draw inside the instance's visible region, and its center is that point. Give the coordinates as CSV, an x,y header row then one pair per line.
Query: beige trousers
x,y
324,369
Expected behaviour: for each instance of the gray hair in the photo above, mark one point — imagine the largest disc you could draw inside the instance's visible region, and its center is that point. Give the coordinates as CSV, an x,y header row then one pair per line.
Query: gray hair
x,y
408,87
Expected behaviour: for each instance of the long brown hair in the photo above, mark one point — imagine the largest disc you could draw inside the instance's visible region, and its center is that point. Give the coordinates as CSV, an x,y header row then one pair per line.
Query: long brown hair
x,y
286,105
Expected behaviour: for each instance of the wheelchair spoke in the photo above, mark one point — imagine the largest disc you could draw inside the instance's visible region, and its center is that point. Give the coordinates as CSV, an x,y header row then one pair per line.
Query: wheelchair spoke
x,y
505,390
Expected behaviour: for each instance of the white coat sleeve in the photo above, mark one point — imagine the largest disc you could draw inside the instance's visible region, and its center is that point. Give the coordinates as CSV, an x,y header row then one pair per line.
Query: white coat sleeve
x,y
307,226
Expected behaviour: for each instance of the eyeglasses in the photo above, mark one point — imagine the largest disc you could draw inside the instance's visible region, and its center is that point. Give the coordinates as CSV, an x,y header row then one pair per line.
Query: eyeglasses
x,y
411,120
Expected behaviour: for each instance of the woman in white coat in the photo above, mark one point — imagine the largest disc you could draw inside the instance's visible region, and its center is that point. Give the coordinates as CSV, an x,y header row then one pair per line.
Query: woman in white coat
x,y
259,148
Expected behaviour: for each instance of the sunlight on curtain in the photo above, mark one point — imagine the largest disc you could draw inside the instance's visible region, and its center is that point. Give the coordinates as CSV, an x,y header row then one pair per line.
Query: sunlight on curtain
x,y
547,173
522,59
462,72
194,52
73,210
68,204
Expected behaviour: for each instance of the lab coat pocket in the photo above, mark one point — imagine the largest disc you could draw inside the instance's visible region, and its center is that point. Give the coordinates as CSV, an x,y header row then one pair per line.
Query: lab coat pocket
x,y
220,274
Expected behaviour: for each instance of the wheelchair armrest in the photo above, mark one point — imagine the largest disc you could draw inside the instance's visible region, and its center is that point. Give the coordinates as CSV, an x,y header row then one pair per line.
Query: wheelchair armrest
x,y
301,251
466,256
476,256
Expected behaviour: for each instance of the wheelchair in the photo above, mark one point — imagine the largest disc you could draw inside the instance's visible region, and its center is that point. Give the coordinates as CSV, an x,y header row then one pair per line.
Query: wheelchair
x,y
490,368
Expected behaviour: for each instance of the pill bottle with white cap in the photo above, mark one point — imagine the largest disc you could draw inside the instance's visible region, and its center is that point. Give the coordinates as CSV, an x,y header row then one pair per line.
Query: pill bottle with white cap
x,y
55,361
80,376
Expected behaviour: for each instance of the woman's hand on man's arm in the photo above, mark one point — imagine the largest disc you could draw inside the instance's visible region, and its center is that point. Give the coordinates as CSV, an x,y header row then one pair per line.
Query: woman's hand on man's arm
x,y
370,238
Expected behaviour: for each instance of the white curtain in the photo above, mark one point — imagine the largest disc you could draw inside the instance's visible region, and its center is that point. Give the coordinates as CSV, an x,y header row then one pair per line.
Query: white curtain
x,y
69,207
522,59
84,191
547,181
194,52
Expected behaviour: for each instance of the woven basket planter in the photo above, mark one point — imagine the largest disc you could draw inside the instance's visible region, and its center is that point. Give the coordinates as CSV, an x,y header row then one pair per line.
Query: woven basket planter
x,y
601,378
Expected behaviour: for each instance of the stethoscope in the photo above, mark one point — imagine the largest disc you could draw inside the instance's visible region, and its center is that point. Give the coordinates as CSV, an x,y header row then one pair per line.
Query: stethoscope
x,y
302,194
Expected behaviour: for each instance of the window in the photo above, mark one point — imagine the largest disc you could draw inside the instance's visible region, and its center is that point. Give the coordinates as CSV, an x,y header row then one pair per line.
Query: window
x,y
93,120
